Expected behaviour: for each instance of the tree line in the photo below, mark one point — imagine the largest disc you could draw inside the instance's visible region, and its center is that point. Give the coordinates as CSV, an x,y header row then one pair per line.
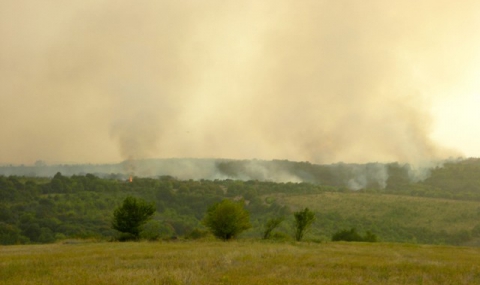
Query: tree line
x,y
42,209
225,220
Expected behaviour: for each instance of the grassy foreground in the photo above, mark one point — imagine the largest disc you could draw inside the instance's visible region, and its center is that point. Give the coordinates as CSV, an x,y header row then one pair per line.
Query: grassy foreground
x,y
241,262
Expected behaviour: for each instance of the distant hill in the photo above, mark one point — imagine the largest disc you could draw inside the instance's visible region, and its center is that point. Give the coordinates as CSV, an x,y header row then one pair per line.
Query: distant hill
x,y
391,176
39,210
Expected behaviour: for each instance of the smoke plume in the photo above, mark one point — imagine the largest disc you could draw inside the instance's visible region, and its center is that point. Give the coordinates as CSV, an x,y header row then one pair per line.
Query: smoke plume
x,y
320,81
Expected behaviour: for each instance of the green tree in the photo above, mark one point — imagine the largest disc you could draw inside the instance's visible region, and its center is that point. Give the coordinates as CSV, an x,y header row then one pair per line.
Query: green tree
x,y
303,220
10,234
270,225
131,215
227,219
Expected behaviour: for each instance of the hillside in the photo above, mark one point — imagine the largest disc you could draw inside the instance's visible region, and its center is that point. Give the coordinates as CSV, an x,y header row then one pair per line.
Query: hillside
x,y
457,179
442,209
393,217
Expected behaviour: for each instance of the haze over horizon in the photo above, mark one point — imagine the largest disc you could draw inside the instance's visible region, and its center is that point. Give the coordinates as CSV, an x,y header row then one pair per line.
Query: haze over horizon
x,y
105,81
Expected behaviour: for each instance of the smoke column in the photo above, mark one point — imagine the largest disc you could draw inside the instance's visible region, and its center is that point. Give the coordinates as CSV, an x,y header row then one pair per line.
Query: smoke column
x,y
320,81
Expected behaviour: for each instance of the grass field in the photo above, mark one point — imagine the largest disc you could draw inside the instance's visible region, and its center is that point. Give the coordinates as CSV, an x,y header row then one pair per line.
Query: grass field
x,y
239,262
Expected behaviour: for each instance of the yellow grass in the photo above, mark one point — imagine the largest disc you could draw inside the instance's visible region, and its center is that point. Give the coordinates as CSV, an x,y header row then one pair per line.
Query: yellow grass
x,y
241,262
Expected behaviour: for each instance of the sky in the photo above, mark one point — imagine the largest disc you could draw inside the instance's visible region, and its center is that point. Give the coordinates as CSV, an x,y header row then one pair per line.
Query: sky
x,y
322,81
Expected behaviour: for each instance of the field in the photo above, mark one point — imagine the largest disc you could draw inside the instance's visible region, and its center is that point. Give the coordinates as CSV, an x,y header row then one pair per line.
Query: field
x,y
238,262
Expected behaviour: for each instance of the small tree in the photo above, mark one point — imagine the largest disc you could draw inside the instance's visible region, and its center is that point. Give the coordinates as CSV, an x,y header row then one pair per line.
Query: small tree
x,y
227,219
131,215
303,220
271,225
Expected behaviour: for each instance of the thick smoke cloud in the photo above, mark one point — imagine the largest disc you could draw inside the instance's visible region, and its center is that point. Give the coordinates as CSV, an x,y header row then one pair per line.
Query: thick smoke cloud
x,y
322,81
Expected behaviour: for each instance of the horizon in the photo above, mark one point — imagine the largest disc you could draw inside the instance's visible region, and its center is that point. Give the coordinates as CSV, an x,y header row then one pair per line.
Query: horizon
x,y
43,163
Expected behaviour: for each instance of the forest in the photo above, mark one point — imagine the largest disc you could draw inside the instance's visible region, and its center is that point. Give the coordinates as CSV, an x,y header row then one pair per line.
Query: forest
x,y
441,208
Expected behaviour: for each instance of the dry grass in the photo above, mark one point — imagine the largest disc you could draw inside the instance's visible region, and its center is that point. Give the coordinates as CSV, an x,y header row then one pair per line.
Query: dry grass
x,y
241,262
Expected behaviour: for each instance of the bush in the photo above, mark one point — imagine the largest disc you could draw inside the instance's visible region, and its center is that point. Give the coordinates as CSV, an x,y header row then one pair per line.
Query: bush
x,y
227,219
370,237
303,220
155,230
352,235
197,234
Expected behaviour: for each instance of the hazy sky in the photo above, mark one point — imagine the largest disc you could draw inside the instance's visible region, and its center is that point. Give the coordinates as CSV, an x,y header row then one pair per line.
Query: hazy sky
x,y
324,81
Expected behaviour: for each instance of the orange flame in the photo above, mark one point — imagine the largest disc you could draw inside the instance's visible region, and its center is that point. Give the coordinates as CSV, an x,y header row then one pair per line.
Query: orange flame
x,y
130,179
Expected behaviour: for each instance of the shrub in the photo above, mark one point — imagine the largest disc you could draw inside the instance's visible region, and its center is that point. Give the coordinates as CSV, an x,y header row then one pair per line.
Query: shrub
x,y
155,230
352,235
227,219
197,234
303,221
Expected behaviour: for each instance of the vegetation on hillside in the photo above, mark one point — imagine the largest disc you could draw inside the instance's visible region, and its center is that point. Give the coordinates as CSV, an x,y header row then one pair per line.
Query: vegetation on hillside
x,y
456,179
353,235
442,209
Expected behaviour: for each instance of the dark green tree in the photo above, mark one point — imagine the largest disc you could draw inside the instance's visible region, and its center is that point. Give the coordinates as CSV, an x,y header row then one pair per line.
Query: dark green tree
x,y
227,219
130,216
303,220
10,234
270,225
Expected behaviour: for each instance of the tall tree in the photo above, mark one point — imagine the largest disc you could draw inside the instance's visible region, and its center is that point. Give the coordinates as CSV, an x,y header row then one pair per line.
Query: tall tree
x,y
131,215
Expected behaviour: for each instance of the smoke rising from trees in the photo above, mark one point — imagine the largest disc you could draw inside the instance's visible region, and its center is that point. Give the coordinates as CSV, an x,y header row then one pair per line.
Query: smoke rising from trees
x,y
320,81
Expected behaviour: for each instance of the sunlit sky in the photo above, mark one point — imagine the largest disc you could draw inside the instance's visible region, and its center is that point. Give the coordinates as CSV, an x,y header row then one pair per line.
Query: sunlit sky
x,y
456,123
320,81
